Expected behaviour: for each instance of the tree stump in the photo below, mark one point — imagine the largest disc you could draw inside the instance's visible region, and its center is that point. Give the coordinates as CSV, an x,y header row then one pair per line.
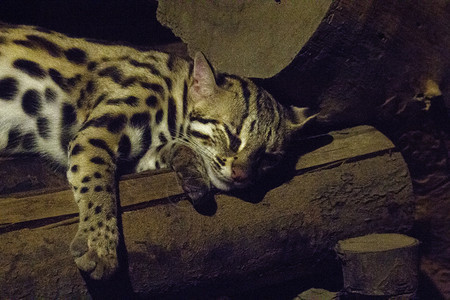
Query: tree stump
x,y
315,294
380,264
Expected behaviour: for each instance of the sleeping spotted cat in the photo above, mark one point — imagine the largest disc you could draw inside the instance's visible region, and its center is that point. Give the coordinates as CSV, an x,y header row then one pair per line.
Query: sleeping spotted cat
x,y
95,108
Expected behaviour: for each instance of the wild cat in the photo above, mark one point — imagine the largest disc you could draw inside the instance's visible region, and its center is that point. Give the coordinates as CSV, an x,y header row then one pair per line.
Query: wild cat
x,y
97,108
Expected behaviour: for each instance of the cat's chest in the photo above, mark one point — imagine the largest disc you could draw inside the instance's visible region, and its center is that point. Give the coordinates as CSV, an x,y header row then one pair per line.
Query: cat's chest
x,y
152,160
146,147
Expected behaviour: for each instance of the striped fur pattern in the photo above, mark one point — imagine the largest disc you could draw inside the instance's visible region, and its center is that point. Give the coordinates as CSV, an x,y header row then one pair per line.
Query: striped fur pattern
x,y
98,108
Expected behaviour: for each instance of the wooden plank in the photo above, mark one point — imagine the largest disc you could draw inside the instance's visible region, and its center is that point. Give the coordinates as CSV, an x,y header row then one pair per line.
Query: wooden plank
x,y
347,143
142,188
133,190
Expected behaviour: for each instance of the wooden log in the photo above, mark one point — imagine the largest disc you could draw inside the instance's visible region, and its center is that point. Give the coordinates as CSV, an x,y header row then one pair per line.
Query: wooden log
x,y
355,185
380,265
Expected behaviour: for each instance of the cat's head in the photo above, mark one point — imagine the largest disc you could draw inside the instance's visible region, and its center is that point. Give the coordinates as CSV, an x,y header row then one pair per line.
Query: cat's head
x,y
238,128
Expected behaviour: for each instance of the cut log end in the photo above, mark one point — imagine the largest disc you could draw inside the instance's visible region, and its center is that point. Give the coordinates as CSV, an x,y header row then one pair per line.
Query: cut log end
x,y
376,243
379,264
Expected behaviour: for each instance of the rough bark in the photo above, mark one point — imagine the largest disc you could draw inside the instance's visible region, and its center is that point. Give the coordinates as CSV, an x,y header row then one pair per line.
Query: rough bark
x,y
355,185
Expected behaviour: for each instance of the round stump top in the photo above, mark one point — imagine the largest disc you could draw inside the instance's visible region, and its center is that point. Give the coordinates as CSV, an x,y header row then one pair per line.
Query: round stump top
x,y
376,243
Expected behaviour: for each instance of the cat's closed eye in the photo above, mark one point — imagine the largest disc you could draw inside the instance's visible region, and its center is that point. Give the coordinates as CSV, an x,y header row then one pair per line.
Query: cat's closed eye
x,y
234,141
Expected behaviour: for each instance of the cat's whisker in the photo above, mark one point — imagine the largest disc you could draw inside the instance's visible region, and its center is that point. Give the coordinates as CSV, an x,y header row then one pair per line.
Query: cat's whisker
x,y
198,147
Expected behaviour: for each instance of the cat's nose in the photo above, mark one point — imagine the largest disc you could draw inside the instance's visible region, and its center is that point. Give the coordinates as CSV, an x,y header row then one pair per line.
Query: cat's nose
x,y
239,174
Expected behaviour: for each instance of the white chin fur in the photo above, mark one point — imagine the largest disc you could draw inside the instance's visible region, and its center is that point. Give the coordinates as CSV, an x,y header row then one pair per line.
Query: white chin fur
x,y
221,185
218,183
224,185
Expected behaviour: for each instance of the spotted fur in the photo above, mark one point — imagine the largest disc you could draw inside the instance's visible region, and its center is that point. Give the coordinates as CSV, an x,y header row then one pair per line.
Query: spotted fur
x,y
98,109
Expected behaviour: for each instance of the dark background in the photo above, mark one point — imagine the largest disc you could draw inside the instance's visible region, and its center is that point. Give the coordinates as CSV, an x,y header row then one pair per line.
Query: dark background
x,y
132,21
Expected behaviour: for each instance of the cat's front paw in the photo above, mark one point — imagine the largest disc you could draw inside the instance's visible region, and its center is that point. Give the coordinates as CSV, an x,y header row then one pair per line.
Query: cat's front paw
x,y
192,173
196,187
95,250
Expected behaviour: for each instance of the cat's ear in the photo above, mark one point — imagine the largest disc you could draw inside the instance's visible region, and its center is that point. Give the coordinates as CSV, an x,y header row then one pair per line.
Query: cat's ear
x,y
299,117
204,82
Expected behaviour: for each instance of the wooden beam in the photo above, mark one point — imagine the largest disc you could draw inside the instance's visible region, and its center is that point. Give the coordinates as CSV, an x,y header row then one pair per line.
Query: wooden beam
x,y
145,187
347,144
